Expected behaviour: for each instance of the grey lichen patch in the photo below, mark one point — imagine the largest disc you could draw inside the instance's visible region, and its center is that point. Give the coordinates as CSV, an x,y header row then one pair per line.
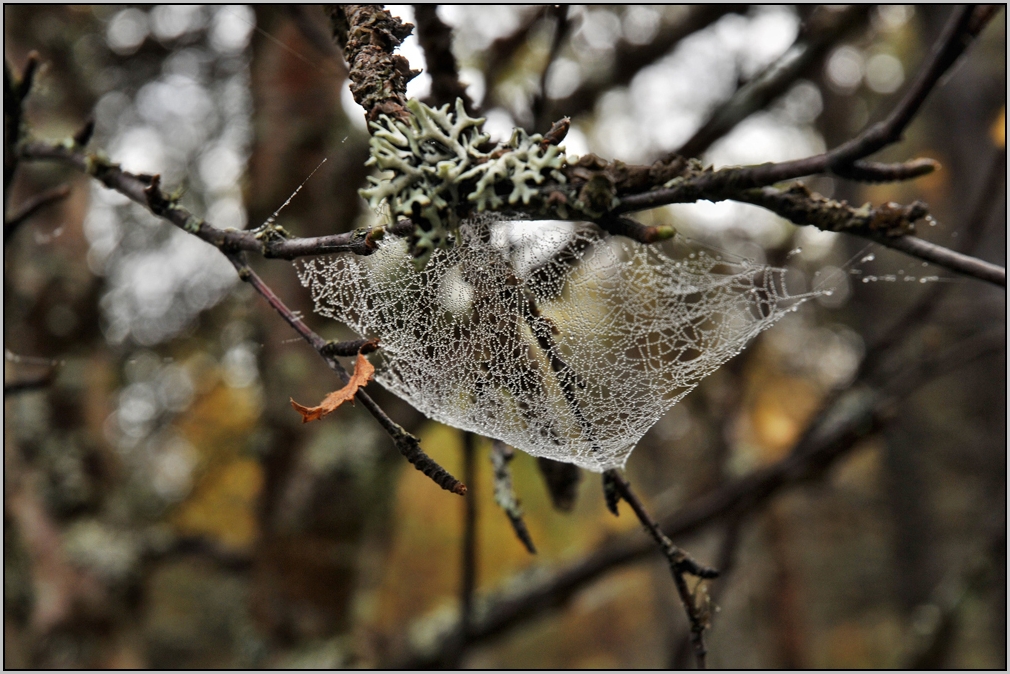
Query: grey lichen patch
x,y
436,173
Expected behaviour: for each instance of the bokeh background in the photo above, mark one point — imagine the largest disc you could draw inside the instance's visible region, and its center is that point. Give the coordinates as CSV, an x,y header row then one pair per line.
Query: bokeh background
x,y
165,507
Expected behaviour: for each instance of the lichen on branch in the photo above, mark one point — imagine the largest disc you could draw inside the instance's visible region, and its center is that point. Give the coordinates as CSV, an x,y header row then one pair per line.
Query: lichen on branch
x,y
436,173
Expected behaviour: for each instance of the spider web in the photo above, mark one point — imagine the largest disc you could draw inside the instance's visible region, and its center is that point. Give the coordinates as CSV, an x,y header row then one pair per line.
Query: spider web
x,y
552,337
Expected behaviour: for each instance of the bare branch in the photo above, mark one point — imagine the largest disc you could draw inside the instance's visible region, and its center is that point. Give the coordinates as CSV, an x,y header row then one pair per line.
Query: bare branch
x,y
961,29
146,190
946,258
890,224
826,26
29,384
45,198
436,41
965,23
407,444
15,91
974,224
562,26
468,550
504,496
679,562
630,58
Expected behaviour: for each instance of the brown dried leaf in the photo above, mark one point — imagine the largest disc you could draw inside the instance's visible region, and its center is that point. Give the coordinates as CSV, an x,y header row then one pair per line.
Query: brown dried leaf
x,y
363,372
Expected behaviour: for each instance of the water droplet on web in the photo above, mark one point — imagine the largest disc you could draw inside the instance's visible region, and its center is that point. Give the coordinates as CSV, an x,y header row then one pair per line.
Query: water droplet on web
x,y
620,333
793,252
868,258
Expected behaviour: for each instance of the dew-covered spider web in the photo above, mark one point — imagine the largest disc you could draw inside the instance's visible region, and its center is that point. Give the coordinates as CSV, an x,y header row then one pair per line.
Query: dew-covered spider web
x,y
552,337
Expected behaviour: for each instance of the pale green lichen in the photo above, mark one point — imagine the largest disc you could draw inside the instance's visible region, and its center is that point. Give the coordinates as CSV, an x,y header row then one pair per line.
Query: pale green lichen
x,y
435,171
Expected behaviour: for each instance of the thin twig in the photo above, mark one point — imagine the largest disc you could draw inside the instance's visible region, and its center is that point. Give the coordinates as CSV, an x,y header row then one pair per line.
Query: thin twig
x,y
562,26
961,29
679,562
29,384
468,577
726,562
826,26
32,206
436,40
946,258
885,225
504,495
15,91
979,213
630,58
408,445
146,191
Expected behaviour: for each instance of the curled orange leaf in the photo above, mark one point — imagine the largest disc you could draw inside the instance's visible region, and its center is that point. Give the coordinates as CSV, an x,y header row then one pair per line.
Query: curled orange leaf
x,y
363,372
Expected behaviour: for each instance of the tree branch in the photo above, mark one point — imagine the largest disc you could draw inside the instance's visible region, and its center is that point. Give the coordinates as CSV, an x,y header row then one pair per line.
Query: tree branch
x,y
562,27
436,40
468,550
35,204
504,495
146,191
408,445
963,26
946,258
29,384
890,225
15,91
679,562
368,34
825,28
630,58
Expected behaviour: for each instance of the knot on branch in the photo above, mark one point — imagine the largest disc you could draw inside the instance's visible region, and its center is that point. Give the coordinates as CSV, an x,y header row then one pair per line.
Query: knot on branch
x,y
368,34
894,219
